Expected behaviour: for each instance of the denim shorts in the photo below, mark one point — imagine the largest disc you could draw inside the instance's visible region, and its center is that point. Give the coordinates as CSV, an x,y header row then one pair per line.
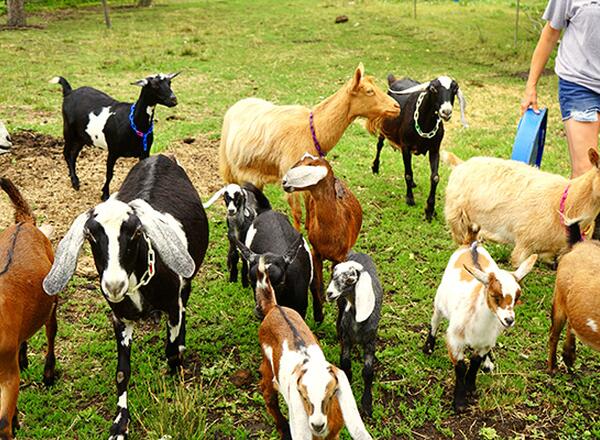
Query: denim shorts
x,y
577,102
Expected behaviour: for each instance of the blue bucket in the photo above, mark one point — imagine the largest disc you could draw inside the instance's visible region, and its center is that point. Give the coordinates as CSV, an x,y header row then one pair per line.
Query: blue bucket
x,y
530,138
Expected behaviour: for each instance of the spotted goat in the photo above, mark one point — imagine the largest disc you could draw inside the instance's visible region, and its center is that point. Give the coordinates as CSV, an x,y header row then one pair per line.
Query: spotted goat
x,y
478,300
576,299
5,140
91,117
317,394
148,241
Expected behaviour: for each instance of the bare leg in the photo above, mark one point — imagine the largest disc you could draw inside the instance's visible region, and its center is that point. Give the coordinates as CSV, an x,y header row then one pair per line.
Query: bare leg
x,y
581,136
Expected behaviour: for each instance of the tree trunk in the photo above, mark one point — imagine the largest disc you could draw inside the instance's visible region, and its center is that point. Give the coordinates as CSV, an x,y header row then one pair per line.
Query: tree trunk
x,y
16,13
144,3
106,16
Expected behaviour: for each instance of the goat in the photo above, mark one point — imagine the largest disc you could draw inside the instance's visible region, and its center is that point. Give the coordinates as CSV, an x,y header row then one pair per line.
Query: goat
x,y
287,255
516,203
243,205
260,141
5,141
478,299
148,241
333,214
359,296
576,300
419,129
317,393
25,258
91,117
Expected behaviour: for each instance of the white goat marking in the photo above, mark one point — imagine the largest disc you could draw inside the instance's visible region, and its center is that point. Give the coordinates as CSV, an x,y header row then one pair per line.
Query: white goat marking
x,y
95,127
445,81
127,335
592,324
55,80
117,419
307,154
304,176
122,402
4,138
250,236
312,269
150,110
134,294
269,354
174,329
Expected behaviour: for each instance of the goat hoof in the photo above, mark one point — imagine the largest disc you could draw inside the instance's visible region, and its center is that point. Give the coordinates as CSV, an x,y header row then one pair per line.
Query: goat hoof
x,y
318,316
75,184
413,184
459,407
429,344
49,378
366,410
410,201
104,197
175,364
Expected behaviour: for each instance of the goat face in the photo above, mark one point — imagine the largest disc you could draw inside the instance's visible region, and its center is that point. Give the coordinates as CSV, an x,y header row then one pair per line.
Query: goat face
x,y
158,89
5,141
235,199
368,100
317,386
344,279
306,173
443,90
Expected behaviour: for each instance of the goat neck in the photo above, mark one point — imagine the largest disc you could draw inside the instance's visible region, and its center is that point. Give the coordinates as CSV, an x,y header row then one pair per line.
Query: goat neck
x,y
144,111
583,198
427,112
331,118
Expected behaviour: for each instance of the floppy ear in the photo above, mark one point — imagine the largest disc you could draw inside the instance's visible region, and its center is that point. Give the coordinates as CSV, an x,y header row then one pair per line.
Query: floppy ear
x,y
65,259
298,417
172,75
593,155
525,268
141,82
479,275
352,419
247,254
364,297
463,105
290,254
305,176
167,237
214,198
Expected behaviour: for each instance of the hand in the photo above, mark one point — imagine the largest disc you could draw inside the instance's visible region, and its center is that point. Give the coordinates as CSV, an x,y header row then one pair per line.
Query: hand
x,y
529,100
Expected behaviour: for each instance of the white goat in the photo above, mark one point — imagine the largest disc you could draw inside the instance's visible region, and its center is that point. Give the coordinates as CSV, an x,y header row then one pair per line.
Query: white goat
x,y
478,299
5,141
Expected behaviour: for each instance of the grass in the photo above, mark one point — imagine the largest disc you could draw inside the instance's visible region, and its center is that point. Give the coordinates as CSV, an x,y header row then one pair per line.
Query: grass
x,y
292,52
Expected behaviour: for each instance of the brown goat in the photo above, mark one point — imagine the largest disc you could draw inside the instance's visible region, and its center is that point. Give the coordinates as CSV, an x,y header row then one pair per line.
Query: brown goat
x,y
576,300
318,395
25,259
333,214
260,141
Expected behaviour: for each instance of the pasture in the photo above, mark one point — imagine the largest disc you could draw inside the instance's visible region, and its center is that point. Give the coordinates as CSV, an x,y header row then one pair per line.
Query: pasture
x,y
286,52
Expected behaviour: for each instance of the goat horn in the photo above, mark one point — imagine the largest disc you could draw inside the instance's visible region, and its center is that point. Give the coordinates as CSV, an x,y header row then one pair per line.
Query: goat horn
x,y
463,105
214,198
173,75
413,89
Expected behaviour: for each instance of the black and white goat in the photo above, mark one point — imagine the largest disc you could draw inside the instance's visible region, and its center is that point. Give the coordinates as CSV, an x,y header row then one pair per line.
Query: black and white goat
x,y
243,204
5,141
419,128
359,296
148,241
286,253
91,117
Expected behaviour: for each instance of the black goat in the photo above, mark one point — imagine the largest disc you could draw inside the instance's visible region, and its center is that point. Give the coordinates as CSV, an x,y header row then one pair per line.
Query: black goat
x,y
243,204
148,241
419,128
286,254
359,296
91,117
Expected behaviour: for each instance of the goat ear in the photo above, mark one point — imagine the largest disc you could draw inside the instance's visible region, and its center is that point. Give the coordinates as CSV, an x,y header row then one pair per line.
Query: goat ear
x,y
594,159
214,198
172,75
463,105
525,268
297,413
364,297
350,413
305,176
290,254
65,259
141,82
247,254
359,73
479,275
167,237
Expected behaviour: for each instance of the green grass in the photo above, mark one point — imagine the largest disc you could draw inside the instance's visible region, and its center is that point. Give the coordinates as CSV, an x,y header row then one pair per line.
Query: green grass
x,y
292,52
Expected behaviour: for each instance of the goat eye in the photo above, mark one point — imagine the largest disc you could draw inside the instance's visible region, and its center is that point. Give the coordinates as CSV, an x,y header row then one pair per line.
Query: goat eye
x,y
370,92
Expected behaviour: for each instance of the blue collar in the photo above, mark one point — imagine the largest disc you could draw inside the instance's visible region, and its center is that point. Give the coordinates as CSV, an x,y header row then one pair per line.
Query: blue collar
x,y
144,136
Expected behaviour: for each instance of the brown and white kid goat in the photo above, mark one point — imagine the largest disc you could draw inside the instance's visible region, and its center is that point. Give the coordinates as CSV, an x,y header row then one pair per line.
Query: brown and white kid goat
x,y
25,258
576,299
333,214
516,203
478,299
317,393
260,141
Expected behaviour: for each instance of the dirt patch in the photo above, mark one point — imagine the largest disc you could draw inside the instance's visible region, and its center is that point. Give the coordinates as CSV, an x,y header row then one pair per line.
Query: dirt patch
x,y
524,74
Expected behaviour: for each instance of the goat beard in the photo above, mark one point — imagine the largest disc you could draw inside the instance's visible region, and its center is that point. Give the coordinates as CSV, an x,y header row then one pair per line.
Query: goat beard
x,y
374,125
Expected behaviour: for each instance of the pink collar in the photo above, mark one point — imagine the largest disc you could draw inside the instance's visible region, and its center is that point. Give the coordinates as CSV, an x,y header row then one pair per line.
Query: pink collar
x,y
561,208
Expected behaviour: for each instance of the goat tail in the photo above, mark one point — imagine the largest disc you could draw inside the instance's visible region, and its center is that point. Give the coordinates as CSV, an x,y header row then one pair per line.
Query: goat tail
x,y
23,213
66,87
450,158
265,294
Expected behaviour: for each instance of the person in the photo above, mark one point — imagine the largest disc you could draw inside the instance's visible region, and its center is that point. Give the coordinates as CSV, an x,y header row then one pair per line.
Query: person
x,y
578,69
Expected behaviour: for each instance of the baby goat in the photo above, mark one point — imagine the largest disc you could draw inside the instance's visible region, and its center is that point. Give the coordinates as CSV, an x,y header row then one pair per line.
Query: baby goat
x,y
5,141
91,117
359,295
333,214
243,205
576,299
25,259
148,241
478,299
318,395
419,129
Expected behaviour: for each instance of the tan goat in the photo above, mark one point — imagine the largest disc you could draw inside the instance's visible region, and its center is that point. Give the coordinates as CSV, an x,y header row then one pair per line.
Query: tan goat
x,y
516,203
576,299
260,141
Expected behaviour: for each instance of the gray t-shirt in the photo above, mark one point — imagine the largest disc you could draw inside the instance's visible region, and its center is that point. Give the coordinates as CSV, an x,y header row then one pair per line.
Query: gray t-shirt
x,y
578,57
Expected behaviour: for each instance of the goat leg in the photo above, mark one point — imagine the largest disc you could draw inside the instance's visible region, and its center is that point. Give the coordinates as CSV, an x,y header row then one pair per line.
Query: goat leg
x,y
271,399
245,282
569,348
408,176
176,332
23,361
375,166
316,287
123,334
460,392
110,167
70,153
558,322
434,162
232,262
471,376
9,392
51,329
435,323
366,402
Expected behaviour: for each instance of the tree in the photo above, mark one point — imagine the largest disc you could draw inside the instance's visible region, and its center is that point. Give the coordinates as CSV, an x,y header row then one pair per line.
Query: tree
x,y
144,2
16,13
